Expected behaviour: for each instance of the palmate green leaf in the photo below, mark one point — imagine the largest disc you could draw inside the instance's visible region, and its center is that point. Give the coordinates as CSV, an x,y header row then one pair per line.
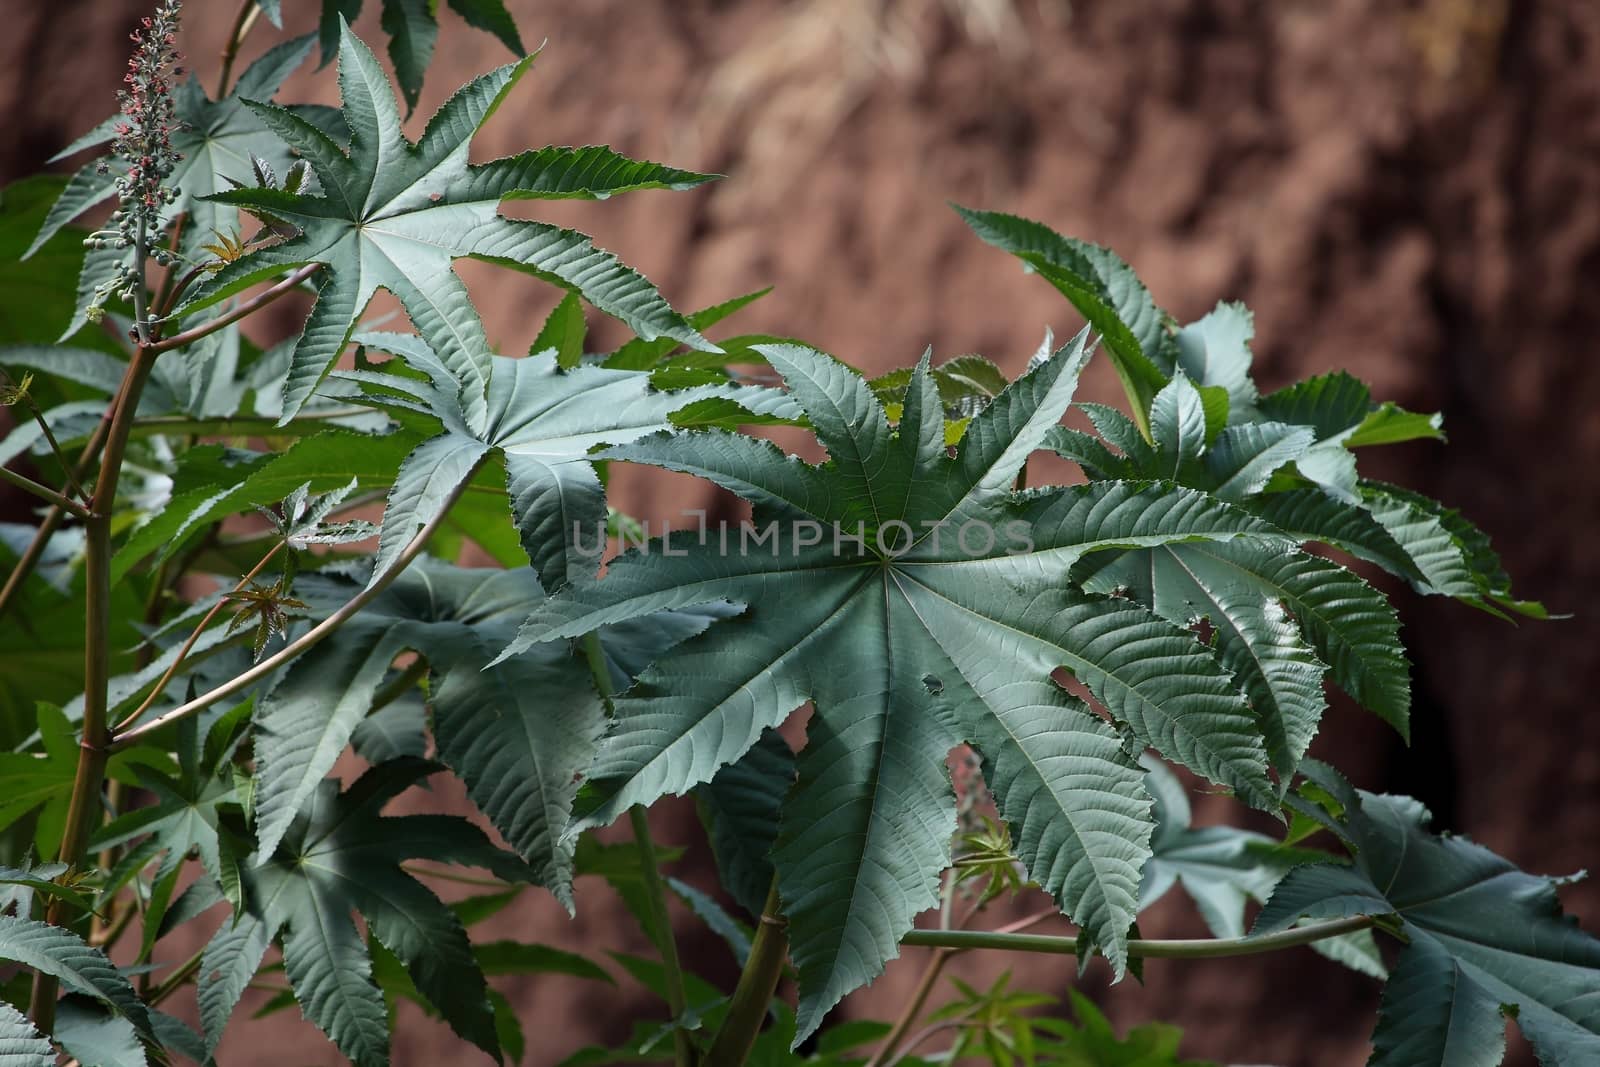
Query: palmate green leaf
x,y
741,808
518,733
1484,939
908,643
642,354
1105,291
1333,618
1215,352
396,215
20,1044
543,422
339,856
89,1033
413,28
60,953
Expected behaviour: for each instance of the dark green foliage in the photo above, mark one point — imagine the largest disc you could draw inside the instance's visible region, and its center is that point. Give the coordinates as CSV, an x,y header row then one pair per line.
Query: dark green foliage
x,y
226,631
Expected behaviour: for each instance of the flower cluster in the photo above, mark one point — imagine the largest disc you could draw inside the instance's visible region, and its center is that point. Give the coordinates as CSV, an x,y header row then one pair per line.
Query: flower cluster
x,y
143,142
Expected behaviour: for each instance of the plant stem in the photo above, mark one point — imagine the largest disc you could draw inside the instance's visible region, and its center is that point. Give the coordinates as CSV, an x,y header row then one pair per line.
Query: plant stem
x,y
896,1039
1193,949
161,684
50,439
94,748
249,11
306,641
43,492
176,979
52,519
913,1008
655,891
248,307
748,1008
413,673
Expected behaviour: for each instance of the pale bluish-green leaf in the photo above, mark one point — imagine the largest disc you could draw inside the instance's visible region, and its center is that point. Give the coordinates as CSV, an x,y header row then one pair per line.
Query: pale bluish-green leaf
x,y
1483,938
60,953
20,1044
396,215
896,640
91,1034
228,964
1215,351
546,422
1105,291
1254,637
1245,456
1178,425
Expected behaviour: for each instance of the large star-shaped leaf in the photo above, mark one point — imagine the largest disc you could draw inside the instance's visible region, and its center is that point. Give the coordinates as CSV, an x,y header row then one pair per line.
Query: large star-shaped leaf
x,y
341,856
543,421
1280,622
1485,939
942,624
539,712
413,28
518,733
396,215
216,140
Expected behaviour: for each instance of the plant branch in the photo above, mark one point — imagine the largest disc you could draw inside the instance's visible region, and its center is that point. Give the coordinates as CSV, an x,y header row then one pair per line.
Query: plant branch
x,y
305,642
248,307
68,469
43,492
757,982
161,684
52,519
413,673
94,748
1190,949
249,11
176,980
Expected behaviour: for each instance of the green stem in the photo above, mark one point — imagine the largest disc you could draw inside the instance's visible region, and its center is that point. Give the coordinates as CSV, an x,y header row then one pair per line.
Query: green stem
x,y
177,979
249,11
757,982
407,679
310,639
1196,949
43,492
913,1009
655,892
50,438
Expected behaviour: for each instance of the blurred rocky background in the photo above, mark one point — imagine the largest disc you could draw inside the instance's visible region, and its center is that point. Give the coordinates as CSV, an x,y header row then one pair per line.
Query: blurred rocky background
x,y
1409,189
